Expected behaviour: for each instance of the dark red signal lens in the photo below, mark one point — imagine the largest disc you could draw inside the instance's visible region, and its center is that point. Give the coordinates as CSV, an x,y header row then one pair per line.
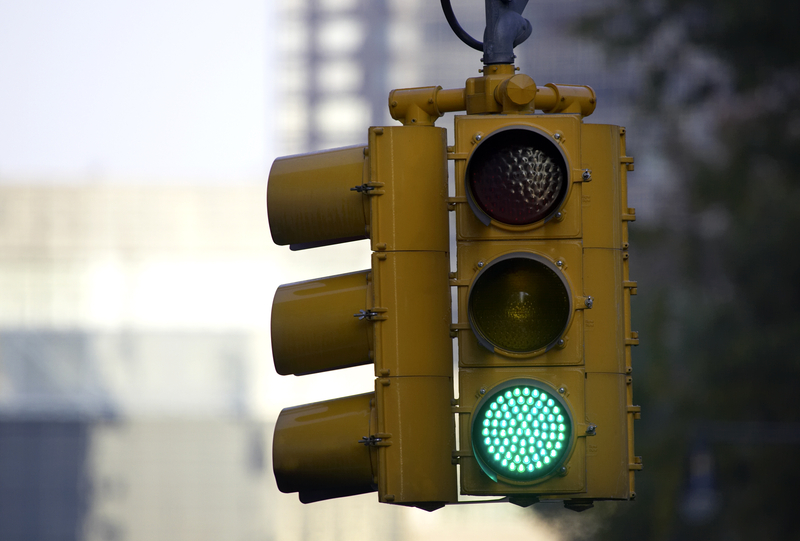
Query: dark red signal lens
x,y
517,177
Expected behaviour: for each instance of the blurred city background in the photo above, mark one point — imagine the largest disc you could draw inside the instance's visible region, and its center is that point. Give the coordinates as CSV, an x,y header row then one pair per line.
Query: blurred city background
x,y
137,393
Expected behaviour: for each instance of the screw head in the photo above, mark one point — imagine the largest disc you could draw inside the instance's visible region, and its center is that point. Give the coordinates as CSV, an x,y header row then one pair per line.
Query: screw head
x,y
562,390
559,263
557,136
478,137
482,390
480,264
587,175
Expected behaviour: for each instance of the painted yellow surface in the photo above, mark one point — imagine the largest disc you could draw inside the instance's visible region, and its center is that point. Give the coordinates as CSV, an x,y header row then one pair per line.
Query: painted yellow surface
x,y
401,439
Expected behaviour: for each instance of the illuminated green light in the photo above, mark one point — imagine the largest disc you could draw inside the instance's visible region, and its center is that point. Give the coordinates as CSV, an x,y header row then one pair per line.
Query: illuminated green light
x,y
535,431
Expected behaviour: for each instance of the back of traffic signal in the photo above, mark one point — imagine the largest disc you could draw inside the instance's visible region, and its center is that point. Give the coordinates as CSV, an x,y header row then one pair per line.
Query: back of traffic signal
x,y
540,283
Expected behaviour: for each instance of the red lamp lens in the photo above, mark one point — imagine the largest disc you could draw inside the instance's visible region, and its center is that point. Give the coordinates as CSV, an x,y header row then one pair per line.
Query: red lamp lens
x,y
517,177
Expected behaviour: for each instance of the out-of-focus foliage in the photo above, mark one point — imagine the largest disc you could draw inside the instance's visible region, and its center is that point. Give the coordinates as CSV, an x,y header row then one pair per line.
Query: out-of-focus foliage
x,y
719,305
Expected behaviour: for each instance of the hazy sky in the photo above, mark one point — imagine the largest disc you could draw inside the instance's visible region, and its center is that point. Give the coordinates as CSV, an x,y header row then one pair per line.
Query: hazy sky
x,y
139,90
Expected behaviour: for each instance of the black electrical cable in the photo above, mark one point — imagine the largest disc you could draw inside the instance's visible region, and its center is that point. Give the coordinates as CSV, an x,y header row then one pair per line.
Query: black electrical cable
x,y
460,32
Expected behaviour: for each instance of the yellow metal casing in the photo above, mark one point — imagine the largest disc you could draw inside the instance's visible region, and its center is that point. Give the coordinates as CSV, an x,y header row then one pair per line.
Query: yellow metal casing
x,y
415,459
413,348
482,92
606,215
326,306
400,440
499,90
412,328
605,210
413,362
587,240
309,200
396,315
315,448
407,189
611,462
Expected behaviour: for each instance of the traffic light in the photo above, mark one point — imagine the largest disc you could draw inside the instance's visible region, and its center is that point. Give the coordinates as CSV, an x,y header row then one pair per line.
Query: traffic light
x,y
397,439
543,325
545,406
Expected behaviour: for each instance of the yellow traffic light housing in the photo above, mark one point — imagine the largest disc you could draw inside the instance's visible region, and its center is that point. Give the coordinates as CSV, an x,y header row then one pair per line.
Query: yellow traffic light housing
x,y
544,404
543,300
313,452
305,211
339,340
399,439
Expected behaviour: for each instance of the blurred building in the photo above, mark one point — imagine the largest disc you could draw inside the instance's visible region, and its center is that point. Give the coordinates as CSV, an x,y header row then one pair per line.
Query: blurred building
x,y
136,389
126,408
338,60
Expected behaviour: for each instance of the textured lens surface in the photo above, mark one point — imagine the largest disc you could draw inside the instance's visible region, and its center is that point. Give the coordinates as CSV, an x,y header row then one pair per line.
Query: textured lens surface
x,y
517,180
519,305
522,432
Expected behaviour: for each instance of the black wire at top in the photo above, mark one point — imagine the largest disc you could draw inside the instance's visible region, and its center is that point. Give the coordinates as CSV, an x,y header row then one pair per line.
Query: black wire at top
x,y
460,32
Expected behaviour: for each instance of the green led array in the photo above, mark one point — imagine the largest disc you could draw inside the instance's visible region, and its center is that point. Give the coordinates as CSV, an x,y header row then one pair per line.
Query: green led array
x,y
522,433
